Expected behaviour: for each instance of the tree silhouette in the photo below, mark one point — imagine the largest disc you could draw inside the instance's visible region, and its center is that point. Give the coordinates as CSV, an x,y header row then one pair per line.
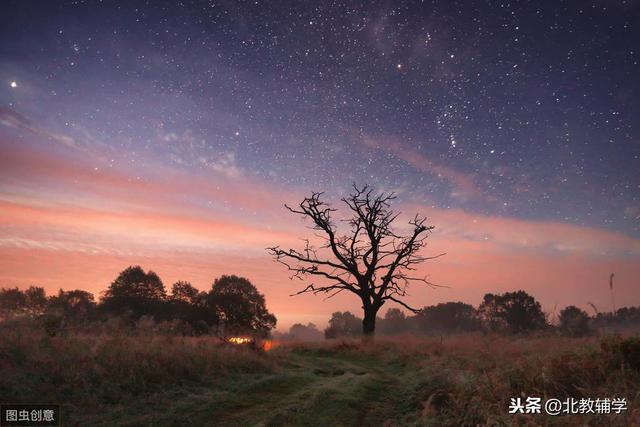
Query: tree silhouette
x,y
343,325
371,260
13,302
74,306
574,321
135,292
512,311
188,304
307,332
394,322
185,292
448,317
35,300
236,302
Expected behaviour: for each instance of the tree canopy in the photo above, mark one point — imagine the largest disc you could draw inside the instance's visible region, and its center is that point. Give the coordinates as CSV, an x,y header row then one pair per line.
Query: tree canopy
x,y
308,332
574,321
75,305
512,311
185,292
240,306
135,292
449,317
343,324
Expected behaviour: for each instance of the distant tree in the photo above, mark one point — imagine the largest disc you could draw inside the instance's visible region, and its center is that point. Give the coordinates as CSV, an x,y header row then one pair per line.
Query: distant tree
x,y
371,260
134,282
307,332
36,300
512,312
189,305
135,292
448,317
13,302
574,321
74,306
239,306
628,315
394,322
343,324
184,291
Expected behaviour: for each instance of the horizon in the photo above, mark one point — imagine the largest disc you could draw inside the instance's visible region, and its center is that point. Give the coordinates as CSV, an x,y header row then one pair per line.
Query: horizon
x,y
171,137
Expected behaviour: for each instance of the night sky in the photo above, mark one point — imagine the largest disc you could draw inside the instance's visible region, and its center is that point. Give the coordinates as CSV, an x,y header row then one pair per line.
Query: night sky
x,y
171,133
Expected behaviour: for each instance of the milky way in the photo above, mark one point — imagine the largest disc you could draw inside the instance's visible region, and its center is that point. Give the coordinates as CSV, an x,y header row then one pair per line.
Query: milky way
x,y
522,110
536,102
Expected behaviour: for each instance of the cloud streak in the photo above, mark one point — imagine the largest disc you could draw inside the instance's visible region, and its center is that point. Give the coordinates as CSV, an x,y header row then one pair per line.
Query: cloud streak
x,y
463,185
13,119
527,236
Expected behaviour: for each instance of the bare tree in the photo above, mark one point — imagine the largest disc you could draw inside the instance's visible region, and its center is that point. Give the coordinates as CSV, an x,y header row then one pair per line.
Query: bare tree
x,y
370,260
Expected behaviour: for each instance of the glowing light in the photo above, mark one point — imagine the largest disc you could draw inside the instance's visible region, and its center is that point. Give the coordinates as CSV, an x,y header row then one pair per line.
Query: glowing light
x,y
239,340
13,84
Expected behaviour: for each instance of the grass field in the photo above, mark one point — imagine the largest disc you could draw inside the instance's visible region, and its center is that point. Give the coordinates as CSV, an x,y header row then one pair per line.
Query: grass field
x,y
116,379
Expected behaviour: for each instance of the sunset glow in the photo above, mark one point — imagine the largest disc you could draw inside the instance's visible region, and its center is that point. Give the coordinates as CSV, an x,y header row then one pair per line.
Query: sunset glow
x,y
178,153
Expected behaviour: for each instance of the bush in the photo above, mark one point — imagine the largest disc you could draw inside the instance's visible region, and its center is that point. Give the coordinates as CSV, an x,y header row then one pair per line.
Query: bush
x,y
622,352
574,322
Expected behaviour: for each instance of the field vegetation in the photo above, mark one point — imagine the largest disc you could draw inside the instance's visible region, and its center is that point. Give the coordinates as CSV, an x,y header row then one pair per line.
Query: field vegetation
x,y
143,375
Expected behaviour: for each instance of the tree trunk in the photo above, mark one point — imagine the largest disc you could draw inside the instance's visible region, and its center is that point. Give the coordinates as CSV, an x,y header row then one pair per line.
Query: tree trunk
x,y
369,321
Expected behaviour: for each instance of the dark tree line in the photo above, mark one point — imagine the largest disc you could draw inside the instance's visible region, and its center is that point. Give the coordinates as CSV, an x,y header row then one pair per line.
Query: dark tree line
x,y
300,332
233,305
508,313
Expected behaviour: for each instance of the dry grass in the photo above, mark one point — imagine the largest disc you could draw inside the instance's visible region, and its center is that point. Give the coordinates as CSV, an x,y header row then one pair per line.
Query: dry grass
x,y
113,367
468,379
459,380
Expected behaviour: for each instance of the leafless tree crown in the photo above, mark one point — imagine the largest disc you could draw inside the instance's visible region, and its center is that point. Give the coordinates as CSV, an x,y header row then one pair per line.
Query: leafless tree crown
x,y
370,260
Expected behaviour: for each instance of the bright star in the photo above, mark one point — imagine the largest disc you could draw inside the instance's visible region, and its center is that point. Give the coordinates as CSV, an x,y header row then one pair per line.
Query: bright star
x,y
13,84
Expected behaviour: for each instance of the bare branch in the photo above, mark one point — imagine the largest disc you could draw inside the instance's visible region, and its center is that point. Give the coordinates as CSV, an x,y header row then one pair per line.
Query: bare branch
x,y
371,259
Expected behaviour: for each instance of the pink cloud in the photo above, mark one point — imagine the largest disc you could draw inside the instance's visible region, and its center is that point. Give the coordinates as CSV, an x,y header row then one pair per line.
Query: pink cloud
x,y
30,176
510,234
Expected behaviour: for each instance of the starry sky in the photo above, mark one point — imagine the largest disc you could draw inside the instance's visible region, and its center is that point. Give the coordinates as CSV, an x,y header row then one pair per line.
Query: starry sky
x,y
170,134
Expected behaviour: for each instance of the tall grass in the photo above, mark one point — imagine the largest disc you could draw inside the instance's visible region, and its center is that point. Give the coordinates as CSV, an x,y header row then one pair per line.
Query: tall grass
x,y
469,379
458,380
112,366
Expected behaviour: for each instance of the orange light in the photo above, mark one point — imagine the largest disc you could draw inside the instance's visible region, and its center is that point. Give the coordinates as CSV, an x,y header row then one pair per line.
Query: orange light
x,y
239,340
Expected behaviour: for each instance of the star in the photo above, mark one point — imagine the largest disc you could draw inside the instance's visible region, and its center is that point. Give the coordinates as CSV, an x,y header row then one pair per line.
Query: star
x,y
13,84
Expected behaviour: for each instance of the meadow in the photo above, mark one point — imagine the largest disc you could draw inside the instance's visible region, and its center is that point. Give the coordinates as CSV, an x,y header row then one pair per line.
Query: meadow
x,y
143,377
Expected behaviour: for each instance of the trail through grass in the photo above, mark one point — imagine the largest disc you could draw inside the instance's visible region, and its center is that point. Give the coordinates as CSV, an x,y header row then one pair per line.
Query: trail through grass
x,y
311,389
